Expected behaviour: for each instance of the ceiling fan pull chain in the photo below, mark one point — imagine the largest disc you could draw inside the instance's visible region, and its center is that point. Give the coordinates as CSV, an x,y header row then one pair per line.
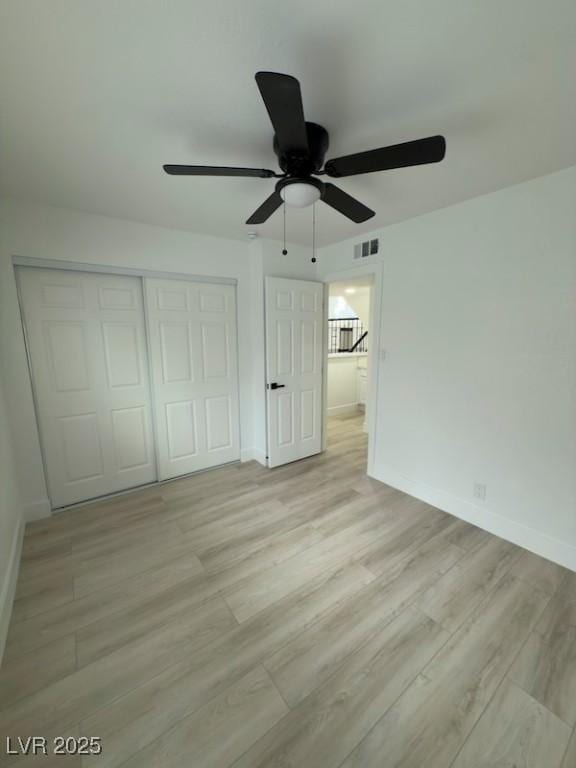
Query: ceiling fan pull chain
x,y
313,233
284,251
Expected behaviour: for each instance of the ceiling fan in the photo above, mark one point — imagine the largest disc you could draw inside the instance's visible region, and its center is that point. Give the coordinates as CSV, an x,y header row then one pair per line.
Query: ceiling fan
x,y
301,147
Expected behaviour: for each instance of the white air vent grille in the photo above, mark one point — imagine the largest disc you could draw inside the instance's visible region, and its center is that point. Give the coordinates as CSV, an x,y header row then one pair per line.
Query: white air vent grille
x,y
367,248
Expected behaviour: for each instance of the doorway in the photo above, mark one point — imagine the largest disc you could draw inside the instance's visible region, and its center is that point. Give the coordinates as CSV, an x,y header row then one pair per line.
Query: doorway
x,y
348,362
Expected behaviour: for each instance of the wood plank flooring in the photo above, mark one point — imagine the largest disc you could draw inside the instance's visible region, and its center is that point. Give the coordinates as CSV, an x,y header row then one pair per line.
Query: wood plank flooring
x,y
305,616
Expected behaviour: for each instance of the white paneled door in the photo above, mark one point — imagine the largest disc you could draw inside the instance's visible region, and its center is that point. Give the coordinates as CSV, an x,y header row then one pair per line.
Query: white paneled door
x,y
87,347
192,334
294,354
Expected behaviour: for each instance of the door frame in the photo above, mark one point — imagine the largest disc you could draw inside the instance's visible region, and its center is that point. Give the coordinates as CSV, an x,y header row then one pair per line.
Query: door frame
x,y
78,266
108,269
377,353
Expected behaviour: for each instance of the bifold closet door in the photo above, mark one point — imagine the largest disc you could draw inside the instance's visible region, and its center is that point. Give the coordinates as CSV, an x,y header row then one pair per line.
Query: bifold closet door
x,y
87,347
192,341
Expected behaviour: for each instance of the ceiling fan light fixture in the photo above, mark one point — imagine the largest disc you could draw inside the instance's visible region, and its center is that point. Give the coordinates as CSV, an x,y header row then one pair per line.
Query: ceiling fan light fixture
x,y
299,194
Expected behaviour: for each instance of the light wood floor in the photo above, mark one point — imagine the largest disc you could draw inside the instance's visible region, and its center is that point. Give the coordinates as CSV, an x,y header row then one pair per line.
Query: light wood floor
x,y
304,616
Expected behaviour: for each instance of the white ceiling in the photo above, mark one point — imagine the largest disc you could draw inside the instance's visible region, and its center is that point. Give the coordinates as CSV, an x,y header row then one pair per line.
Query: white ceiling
x,y
95,95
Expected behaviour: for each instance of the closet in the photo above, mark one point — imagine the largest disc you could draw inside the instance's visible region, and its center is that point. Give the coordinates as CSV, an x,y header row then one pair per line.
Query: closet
x,y
134,379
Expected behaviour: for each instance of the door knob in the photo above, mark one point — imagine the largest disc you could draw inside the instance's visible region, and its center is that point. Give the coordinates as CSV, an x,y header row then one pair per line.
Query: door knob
x,y
274,385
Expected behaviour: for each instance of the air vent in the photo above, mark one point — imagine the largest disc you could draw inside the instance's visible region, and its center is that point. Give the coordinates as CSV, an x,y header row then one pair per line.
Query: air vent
x,y
367,248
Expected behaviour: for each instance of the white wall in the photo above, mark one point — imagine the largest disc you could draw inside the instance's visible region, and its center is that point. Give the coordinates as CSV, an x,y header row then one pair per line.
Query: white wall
x,y
11,523
360,303
343,389
50,233
297,263
479,381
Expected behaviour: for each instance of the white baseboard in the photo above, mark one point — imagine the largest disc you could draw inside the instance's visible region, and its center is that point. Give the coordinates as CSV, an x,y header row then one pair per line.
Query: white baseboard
x,y
254,454
529,538
37,510
9,585
348,408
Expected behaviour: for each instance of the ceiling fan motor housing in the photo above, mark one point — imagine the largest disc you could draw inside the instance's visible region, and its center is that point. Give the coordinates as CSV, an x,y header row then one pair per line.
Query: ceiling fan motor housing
x,y
302,165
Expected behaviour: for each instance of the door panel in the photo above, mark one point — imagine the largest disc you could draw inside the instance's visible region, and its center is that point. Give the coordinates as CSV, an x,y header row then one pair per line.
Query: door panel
x,y
294,323
213,301
121,349
67,359
284,347
86,341
218,423
308,414
215,351
54,293
119,298
181,430
308,346
82,446
129,437
173,297
285,405
192,332
176,353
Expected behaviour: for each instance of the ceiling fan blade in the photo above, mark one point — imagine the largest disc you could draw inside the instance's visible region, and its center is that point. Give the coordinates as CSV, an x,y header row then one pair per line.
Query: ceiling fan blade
x,y
266,210
216,170
344,203
419,152
283,100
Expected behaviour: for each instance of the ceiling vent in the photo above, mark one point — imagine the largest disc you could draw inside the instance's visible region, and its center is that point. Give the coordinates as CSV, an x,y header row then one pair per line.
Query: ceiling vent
x,y
367,248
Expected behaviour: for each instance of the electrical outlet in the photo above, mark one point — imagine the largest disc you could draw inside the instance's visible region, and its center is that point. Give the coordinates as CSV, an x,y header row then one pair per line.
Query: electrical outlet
x,y
479,491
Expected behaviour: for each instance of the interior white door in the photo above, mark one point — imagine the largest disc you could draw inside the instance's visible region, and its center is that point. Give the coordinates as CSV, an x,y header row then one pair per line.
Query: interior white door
x,y
86,341
294,326
192,334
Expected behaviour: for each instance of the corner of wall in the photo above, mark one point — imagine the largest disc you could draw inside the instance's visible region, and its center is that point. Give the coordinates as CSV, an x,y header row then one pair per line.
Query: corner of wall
x,y
524,536
37,510
254,454
258,380
8,587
